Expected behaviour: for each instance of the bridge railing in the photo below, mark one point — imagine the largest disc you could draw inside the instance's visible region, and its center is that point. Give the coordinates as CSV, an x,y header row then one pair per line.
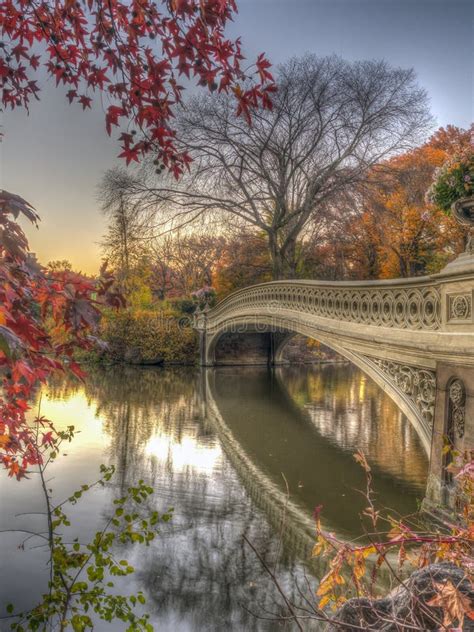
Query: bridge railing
x,y
423,303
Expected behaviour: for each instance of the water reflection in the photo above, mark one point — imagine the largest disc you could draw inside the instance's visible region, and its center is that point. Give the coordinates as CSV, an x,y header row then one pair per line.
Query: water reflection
x,y
214,445
307,424
346,407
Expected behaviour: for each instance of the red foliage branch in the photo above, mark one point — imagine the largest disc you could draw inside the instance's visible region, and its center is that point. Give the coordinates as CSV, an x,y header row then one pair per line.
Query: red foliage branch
x,y
133,53
417,544
31,348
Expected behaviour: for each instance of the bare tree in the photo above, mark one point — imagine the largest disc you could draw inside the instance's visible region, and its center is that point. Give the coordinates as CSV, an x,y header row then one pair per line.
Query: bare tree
x,y
183,263
128,230
331,121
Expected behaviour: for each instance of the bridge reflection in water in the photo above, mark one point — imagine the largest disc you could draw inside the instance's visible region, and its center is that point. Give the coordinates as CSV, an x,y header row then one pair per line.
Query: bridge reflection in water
x,y
301,428
214,444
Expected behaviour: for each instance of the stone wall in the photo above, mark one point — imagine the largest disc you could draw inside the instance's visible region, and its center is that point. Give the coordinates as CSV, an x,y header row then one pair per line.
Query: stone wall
x,y
256,348
243,349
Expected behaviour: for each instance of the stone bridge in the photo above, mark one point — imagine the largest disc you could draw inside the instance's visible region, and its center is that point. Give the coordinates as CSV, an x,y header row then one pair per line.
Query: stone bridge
x,y
413,337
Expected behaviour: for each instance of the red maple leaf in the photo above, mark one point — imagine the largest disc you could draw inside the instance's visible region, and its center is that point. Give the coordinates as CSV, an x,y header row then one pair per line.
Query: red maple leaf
x,y
130,154
85,101
84,47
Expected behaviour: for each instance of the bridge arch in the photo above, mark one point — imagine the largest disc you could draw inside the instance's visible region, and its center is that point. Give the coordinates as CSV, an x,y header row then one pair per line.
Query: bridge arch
x,y
270,325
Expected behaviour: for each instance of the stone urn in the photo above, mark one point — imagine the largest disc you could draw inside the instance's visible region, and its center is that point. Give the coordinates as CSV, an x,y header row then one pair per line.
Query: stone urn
x,y
463,212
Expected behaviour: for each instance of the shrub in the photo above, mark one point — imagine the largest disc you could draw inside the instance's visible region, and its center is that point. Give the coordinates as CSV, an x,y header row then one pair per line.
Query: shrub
x,y
454,180
144,337
443,548
82,574
183,305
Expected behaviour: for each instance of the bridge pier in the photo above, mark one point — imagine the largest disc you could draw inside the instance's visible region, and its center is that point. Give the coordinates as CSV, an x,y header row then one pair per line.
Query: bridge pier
x,y
453,426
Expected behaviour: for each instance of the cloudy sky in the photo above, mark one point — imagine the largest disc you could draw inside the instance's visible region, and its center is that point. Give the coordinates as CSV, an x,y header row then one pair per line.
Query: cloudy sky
x,y
55,156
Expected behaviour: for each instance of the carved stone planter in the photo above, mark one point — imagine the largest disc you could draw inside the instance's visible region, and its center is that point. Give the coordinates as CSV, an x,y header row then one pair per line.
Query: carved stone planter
x,y
463,212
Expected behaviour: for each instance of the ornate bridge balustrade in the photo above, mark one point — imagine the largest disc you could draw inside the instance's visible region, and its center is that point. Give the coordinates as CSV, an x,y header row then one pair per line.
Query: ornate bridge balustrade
x,y
414,337
404,308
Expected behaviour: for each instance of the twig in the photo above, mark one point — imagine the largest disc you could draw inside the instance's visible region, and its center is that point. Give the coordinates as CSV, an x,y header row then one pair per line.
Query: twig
x,y
275,581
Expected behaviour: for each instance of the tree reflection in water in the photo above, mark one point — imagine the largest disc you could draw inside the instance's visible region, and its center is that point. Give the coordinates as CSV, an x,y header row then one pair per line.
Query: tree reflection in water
x,y
215,449
199,575
347,408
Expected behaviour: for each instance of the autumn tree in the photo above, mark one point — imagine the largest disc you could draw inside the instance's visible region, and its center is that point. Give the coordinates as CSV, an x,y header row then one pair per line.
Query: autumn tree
x,y
395,231
162,275
451,139
331,121
362,247
59,265
44,317
127,237
418,237
413,239
245,261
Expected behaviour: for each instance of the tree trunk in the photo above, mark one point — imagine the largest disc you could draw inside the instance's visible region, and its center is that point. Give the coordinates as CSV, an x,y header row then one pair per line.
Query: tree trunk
x,y
276,256
283,258
289,257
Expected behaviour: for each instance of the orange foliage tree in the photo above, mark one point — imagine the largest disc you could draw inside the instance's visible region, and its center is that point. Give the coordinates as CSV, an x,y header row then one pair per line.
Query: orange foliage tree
x,y
398,233
245,261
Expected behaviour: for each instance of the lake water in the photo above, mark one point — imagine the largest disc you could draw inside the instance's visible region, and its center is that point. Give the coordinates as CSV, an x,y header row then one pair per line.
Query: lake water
x,y
234,451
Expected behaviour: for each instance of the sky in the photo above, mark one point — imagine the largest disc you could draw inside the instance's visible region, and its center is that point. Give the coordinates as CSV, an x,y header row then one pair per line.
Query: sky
x,y
55,156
